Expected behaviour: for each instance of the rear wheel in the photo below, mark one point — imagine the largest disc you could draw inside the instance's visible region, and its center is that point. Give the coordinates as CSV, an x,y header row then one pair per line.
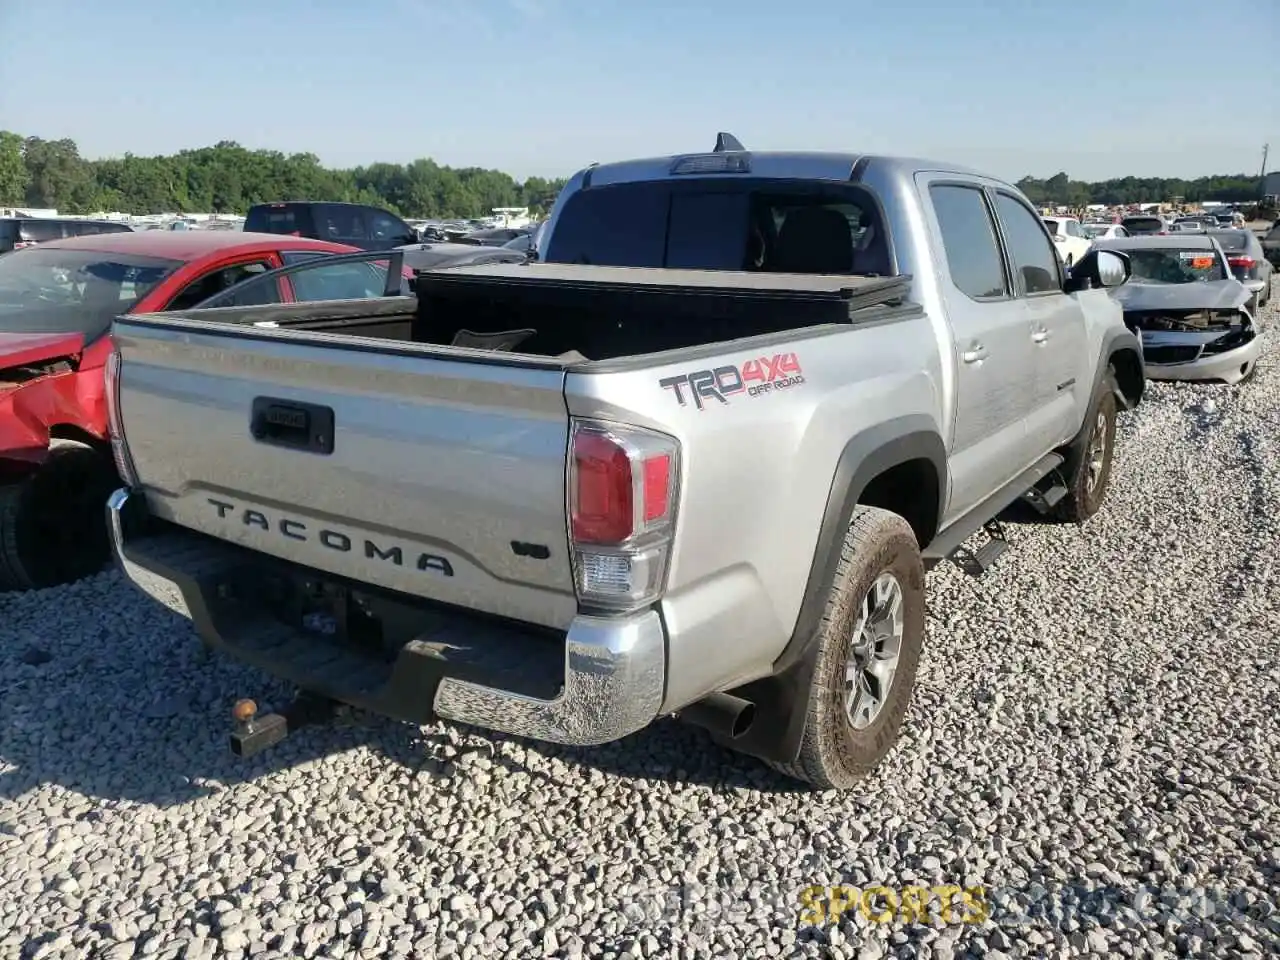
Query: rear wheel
x,y
868,649
53,525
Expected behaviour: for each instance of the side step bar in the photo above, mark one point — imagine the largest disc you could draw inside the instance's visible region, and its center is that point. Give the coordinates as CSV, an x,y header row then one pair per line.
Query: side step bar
x,y
948,541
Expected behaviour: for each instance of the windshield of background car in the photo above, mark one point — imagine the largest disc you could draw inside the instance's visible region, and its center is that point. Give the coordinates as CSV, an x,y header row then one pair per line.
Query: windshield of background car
x,y
1095,230
45,290
1143,224
721,224
1176,265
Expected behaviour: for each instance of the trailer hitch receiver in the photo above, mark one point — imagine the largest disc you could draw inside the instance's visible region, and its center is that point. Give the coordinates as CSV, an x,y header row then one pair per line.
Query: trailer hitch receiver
x,y
252,733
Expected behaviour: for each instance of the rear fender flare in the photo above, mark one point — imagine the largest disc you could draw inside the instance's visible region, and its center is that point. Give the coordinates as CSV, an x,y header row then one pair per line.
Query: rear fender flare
x,y
780,698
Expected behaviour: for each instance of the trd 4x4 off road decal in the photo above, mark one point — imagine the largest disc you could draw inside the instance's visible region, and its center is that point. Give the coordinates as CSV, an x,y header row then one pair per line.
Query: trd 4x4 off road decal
x,y
755,378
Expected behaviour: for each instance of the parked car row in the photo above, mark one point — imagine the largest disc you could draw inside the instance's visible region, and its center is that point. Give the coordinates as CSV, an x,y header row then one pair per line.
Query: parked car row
x,y
1196,289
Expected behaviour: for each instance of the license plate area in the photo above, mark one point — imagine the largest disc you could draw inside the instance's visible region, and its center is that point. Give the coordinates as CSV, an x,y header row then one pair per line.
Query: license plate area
x,y
330,612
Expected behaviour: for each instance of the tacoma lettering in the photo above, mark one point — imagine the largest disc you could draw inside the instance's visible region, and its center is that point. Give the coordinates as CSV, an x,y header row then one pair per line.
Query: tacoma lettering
x,y
334,540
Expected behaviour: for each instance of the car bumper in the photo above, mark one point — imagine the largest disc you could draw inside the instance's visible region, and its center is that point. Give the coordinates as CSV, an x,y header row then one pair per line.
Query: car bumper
x,y
1230,366
604,679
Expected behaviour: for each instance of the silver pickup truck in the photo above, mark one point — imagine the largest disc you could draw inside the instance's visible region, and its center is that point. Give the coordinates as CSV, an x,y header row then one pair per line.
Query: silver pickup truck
x,y
694,463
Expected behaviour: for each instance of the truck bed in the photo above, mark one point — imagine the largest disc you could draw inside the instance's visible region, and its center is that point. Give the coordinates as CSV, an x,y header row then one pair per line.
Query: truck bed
x,y
395,448
580,313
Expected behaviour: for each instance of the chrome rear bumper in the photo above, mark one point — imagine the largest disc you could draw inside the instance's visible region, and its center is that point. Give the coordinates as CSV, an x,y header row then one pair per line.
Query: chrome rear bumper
x,y
602,681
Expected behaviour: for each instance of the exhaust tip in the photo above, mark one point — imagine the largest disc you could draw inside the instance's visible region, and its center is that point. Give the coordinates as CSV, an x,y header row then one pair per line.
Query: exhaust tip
x,y
721,713
746,717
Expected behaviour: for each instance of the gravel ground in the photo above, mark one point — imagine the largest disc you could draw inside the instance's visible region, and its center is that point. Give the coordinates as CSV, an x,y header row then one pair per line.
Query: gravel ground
x,y
1094,741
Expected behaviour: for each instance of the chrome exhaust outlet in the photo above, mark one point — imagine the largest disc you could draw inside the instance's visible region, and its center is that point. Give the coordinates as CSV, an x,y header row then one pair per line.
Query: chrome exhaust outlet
x,y
722,713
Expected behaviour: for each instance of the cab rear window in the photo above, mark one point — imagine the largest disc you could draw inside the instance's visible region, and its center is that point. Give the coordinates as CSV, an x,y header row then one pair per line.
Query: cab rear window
x,y
731,224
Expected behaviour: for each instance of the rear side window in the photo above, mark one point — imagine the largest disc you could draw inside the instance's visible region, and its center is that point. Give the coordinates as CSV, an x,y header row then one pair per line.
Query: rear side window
x,y
1143,224
1032,253
40,231
80,228
284,219
1235,240
969,241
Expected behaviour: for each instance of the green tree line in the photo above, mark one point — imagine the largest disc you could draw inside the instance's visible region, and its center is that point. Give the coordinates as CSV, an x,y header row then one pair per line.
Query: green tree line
x,y
228,178
1061,189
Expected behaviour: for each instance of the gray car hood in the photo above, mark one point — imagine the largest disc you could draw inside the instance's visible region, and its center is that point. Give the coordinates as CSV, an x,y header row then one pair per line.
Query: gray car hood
x,y
1210,295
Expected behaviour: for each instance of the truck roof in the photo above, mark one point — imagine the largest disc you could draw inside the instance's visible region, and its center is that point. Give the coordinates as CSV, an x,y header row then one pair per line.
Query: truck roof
x,y
802,165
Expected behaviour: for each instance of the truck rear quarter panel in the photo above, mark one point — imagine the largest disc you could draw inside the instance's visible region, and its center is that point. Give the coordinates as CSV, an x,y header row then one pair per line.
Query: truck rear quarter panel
x,y
757,468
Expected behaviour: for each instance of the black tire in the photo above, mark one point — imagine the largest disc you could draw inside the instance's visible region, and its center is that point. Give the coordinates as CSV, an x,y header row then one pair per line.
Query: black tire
x,y
833,754
53,524
1088,464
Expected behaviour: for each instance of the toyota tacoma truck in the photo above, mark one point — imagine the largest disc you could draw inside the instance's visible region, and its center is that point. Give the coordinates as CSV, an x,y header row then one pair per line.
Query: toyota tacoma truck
x,y
695,462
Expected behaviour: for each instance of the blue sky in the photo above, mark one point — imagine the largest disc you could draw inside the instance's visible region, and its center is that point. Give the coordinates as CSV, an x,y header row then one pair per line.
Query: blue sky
x,y
543,87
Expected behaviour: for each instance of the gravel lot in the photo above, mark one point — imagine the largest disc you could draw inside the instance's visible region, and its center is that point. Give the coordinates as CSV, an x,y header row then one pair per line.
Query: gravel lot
x,y
1098,713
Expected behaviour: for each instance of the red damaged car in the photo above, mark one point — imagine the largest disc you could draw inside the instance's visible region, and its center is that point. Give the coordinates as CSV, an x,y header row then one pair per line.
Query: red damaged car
x,y
57,301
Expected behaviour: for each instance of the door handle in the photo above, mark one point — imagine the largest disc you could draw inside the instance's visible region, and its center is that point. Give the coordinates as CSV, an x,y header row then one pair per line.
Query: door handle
x,y
975,354
1040,336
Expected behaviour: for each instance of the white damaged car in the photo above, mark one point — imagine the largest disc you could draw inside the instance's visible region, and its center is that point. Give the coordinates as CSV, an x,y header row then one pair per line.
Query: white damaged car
x,y
1190,312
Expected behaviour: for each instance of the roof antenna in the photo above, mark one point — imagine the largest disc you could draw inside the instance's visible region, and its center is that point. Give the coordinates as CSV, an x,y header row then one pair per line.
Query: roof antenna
x,y
727,141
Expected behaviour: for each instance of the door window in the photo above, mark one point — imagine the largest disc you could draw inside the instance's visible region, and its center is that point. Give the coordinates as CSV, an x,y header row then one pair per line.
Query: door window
x,y
339,281
341,224
213,283
1032,253
383,226
969,241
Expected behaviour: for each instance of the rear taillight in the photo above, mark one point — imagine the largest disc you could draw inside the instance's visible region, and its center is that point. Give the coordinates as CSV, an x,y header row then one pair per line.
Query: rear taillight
x,y
623,490
119,451
1242,263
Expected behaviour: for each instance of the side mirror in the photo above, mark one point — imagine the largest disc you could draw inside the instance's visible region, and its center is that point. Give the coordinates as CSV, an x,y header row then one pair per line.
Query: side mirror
x,y
1099,269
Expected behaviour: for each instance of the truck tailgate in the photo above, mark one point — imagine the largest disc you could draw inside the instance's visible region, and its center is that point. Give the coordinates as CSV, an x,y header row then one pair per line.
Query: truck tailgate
x,y
440,477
